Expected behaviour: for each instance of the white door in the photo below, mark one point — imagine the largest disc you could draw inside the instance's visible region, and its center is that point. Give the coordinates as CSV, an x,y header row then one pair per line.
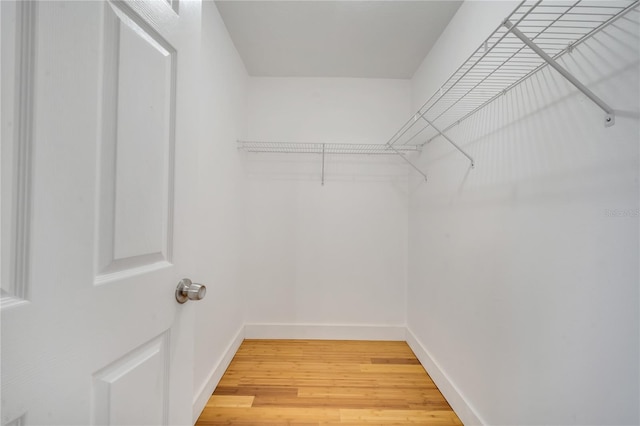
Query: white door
x,y
97,143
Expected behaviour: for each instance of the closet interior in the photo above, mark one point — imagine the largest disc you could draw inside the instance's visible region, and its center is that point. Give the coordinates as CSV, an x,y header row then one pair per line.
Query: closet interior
x,y
522,139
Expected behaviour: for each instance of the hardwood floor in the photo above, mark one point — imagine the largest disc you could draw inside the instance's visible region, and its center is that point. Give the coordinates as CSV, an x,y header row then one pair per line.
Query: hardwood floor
x,y
324,382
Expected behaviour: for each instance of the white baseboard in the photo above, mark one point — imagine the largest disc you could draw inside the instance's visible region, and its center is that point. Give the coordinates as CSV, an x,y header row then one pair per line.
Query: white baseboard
x,y
451,393
204,393
329,332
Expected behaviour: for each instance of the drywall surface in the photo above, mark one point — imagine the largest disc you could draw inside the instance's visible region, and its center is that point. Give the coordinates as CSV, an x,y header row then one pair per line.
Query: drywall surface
x,y
223,83
523,273
332,254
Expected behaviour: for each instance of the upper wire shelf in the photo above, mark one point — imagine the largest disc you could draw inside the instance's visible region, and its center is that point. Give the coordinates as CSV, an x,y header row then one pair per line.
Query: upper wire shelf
x,y
505,59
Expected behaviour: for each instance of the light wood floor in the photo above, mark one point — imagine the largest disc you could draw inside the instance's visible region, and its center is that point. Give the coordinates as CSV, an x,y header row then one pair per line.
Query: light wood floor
x,y
321,382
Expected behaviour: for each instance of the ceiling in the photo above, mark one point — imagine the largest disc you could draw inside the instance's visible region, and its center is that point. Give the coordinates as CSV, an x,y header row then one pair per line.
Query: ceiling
x,y
365,39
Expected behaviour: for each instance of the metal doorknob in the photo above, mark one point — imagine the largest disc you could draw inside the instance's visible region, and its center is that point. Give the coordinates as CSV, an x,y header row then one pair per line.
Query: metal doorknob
x,y
188,290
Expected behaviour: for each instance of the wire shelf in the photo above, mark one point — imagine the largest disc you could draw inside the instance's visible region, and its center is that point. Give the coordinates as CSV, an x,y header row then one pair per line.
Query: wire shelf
x,y
324,148
504,60
327,149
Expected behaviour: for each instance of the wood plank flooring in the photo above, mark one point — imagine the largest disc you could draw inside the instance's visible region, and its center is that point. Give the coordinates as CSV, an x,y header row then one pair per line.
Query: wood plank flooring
x,y
324,382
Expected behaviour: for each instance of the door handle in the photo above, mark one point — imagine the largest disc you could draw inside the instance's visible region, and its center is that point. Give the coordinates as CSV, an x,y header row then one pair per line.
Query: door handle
x,y
188,290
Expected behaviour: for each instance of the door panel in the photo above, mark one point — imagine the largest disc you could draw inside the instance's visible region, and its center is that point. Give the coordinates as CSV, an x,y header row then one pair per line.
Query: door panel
x,y
136,160
97,211
143,372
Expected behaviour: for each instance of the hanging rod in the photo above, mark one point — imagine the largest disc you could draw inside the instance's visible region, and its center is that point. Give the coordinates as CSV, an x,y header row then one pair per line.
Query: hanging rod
x,y
324,149
533,36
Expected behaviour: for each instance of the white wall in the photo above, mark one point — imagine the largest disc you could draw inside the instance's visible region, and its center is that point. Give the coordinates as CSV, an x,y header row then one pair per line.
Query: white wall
x,y
523,273
219,316
332,254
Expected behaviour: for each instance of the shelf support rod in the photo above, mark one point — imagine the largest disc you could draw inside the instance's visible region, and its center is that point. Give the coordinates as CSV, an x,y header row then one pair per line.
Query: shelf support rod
x,y
473,163
609,118
407,161
323,164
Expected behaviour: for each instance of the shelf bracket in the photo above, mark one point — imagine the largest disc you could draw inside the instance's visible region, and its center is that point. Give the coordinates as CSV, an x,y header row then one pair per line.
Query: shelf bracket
x,y
473,164
408,161
323,164
609,118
